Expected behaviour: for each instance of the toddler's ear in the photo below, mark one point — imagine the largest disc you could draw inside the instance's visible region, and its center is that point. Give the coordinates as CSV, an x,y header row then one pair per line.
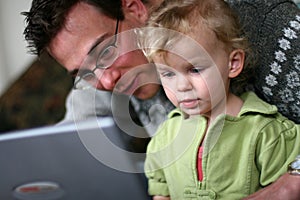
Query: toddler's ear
x,y
236,62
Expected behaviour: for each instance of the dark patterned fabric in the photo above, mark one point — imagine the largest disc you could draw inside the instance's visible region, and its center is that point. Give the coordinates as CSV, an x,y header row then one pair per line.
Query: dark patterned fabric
x,y
36,98
273,28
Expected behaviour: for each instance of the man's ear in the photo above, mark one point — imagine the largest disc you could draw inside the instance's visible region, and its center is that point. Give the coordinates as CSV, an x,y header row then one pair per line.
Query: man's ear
x,y
135,9
236,62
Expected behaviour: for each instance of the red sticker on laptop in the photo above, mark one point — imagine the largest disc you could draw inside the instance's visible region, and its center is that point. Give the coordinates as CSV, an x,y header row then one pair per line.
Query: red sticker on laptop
x,y
43,189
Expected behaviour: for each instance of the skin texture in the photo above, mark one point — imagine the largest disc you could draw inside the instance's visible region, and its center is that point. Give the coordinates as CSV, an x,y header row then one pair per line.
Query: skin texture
x,y
81,33
287,187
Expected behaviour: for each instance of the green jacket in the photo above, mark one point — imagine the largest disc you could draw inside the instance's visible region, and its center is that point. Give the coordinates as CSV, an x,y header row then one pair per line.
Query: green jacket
x,y
241,154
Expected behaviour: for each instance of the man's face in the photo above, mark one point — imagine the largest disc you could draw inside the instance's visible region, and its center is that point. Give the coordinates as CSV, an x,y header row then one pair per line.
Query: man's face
x,y
85,32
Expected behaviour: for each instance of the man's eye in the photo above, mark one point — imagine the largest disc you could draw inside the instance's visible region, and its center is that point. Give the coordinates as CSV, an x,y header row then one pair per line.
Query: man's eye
x,y
107,56
107,52
88,76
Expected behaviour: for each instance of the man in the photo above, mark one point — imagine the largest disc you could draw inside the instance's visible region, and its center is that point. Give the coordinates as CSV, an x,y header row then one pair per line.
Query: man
x,y
73,31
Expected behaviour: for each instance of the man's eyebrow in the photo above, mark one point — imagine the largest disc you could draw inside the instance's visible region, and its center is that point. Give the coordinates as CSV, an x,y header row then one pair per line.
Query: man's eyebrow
x,y
97,42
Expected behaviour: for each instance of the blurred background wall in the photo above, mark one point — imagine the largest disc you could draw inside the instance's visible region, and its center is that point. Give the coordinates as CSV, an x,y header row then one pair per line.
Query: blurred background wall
x,y
14,58
32,92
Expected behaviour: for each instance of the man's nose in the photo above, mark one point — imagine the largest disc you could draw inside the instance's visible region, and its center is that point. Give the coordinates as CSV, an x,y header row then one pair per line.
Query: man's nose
x,y
109,78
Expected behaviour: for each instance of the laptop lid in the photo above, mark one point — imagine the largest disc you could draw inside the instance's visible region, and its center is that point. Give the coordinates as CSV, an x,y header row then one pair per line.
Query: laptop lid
x,y
78,161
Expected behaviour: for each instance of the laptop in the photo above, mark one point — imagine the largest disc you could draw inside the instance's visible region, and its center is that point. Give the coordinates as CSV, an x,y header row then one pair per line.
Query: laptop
x,y
86,160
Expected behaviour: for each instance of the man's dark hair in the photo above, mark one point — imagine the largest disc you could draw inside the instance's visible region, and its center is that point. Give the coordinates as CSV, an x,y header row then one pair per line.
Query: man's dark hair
x,y
46,18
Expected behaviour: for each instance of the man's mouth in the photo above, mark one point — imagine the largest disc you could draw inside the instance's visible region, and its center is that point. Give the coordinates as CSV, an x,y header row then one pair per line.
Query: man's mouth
x,y
129,87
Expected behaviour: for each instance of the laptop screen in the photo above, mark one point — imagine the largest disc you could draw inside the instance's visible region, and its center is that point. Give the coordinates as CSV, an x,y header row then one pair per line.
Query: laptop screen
x,y
77,161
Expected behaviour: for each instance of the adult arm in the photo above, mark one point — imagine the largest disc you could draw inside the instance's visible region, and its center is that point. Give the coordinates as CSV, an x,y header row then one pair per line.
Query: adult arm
x,y
161,198
287,187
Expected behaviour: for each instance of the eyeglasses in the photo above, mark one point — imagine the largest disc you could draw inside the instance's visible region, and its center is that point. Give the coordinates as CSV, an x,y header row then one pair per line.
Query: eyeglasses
x,y
104,59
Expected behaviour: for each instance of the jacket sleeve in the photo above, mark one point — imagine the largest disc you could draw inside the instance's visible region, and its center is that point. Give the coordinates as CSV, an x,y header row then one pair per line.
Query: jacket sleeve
x,y
157,184
278,145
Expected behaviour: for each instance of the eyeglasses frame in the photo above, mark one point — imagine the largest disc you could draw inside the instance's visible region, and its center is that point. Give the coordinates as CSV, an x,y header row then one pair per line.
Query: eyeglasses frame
x,y
113,44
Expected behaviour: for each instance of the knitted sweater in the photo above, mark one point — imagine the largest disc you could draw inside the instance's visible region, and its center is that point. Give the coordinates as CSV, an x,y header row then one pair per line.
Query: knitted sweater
x,y
273,28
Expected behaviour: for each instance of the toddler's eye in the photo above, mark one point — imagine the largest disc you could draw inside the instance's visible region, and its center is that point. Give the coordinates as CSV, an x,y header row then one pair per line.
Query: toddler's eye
x,y
195,70
167,74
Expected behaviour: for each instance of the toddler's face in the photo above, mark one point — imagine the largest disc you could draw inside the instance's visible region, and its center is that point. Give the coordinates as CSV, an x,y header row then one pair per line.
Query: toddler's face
x,y
195,74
